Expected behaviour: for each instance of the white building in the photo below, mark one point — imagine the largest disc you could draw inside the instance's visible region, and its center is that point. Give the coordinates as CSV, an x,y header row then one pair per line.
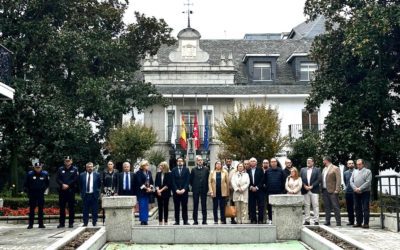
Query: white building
x,y
6,92
207,78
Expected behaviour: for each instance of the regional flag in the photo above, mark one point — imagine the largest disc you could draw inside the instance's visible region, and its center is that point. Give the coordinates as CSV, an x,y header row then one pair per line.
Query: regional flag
x,y
196,137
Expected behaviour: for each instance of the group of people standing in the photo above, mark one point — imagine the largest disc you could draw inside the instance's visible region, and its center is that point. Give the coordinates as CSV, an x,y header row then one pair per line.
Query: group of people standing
x,y
245,186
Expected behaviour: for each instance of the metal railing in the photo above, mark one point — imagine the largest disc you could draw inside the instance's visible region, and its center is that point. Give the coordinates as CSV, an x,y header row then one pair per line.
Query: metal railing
x,y
296,130
389,198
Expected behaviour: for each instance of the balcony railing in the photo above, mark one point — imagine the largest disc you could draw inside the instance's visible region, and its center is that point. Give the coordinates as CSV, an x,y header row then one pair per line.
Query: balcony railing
x,y
189,132
296,130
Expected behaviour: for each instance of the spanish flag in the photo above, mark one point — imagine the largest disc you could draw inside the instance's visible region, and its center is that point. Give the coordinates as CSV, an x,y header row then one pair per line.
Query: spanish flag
x,y
182,138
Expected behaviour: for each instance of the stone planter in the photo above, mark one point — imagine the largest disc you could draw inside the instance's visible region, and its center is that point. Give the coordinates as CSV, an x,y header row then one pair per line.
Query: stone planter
x,y
95,242
316,241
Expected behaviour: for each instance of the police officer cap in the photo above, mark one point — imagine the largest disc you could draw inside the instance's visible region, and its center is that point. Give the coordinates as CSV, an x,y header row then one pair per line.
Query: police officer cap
x,y
68,158
37,165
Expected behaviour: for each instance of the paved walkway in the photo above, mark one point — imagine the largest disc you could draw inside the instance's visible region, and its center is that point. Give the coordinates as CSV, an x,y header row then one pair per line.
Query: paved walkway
x,y
16,236
375,237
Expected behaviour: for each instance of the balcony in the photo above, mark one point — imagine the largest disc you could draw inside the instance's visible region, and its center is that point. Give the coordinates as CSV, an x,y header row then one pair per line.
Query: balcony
x,y
189,132
295,130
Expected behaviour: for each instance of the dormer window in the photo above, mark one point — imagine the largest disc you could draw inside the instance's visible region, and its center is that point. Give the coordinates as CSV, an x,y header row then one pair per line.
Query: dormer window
x,y
307,71
261,68
262,71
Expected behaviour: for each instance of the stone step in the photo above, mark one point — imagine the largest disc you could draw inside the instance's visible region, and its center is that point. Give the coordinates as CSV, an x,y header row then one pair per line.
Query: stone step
x,y
204,234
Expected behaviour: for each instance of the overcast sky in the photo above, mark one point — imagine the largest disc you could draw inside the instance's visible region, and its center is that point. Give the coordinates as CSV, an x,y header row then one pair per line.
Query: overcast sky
x,y
219,19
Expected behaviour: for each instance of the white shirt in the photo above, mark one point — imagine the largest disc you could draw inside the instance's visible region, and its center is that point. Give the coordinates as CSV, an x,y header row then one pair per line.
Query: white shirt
x,y
253,171
325,172
309,172
129,180
90,183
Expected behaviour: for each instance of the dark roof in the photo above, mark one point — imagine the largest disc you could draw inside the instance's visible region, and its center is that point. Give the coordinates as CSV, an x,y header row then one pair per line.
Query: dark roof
x,y
309,30
239,48
233,89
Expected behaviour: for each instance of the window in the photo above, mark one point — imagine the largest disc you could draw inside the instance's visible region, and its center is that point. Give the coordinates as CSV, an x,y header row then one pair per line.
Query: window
x,y
188,117
309,120
307,71
262,72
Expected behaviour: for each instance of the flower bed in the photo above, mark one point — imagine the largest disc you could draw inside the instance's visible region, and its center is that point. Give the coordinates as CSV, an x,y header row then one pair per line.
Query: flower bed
x,y
7,211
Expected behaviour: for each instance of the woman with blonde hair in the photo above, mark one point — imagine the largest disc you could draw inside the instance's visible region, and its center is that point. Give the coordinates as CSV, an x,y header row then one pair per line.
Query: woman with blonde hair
x,y
163,191
293,182
240,183
218,184
145,187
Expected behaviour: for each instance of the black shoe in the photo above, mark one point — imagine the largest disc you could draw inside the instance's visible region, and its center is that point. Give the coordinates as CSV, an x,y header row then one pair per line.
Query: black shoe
x,y
71,225
186,223
366,226
223,222
41,226
306,223
204,223
327,224
316,223
195,223
60,226
29,227
233,222
85,224
141,223
357,225
94,224
349,224
253,222
338,224
176,223
216,222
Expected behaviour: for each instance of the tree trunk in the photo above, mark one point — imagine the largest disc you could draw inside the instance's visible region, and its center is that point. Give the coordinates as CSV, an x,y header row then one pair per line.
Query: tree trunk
x,y
14,172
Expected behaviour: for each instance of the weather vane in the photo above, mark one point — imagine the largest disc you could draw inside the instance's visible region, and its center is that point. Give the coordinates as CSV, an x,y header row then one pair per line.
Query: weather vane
x,y
188,12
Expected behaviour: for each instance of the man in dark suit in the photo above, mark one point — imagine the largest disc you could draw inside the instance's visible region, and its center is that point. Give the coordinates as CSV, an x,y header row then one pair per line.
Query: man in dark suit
x,y
256,192
311,178
180,190
126,181
199,183
90,184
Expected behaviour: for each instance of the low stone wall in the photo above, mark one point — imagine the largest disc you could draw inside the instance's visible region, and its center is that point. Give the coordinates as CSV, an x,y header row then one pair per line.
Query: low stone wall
x,y
390,222
210,234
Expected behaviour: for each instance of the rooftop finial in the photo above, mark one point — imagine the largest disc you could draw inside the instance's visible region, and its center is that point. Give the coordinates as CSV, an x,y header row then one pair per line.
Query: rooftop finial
x,y
188,12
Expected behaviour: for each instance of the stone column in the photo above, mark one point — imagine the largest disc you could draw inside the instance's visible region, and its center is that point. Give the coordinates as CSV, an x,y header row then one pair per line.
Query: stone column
x,y
120,217
287,215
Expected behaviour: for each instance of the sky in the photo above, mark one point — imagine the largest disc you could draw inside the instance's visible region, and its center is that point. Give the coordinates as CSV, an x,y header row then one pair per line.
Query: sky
x,y
223,19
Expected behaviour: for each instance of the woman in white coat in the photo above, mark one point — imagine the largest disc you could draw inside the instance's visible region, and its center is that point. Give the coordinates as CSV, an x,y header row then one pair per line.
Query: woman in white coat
x,y
240,183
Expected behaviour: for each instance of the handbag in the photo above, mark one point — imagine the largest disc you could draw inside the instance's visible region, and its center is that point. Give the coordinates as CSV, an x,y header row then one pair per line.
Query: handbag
x,y
230,211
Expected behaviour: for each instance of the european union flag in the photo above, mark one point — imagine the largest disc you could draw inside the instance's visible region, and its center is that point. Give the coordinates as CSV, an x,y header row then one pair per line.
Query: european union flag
x,y
206,134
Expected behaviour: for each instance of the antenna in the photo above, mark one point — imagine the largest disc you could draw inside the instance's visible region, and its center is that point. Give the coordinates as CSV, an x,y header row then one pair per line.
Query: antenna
x,y
188,12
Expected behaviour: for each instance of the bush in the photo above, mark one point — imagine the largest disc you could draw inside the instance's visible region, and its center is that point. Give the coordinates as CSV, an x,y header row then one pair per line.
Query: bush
x,y
49,201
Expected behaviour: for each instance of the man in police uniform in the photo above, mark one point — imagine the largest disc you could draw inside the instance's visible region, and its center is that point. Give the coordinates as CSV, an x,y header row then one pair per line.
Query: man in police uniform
x,y
67,179
36,183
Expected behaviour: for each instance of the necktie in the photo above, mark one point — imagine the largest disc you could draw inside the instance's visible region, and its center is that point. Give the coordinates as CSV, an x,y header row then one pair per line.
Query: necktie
x,y
88,184
127,181
180,170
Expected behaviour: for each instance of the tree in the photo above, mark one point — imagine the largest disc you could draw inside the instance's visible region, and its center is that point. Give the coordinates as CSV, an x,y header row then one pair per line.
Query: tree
x,y
251,131
75,65
309,144
130,142
358,73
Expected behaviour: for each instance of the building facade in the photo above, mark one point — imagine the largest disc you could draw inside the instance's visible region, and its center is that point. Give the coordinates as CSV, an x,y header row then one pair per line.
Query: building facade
x,y
6,92
205,79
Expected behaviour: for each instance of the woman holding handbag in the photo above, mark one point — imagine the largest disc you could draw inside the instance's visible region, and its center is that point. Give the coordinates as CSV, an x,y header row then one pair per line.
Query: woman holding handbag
x,y
218,184
240,183
145,187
